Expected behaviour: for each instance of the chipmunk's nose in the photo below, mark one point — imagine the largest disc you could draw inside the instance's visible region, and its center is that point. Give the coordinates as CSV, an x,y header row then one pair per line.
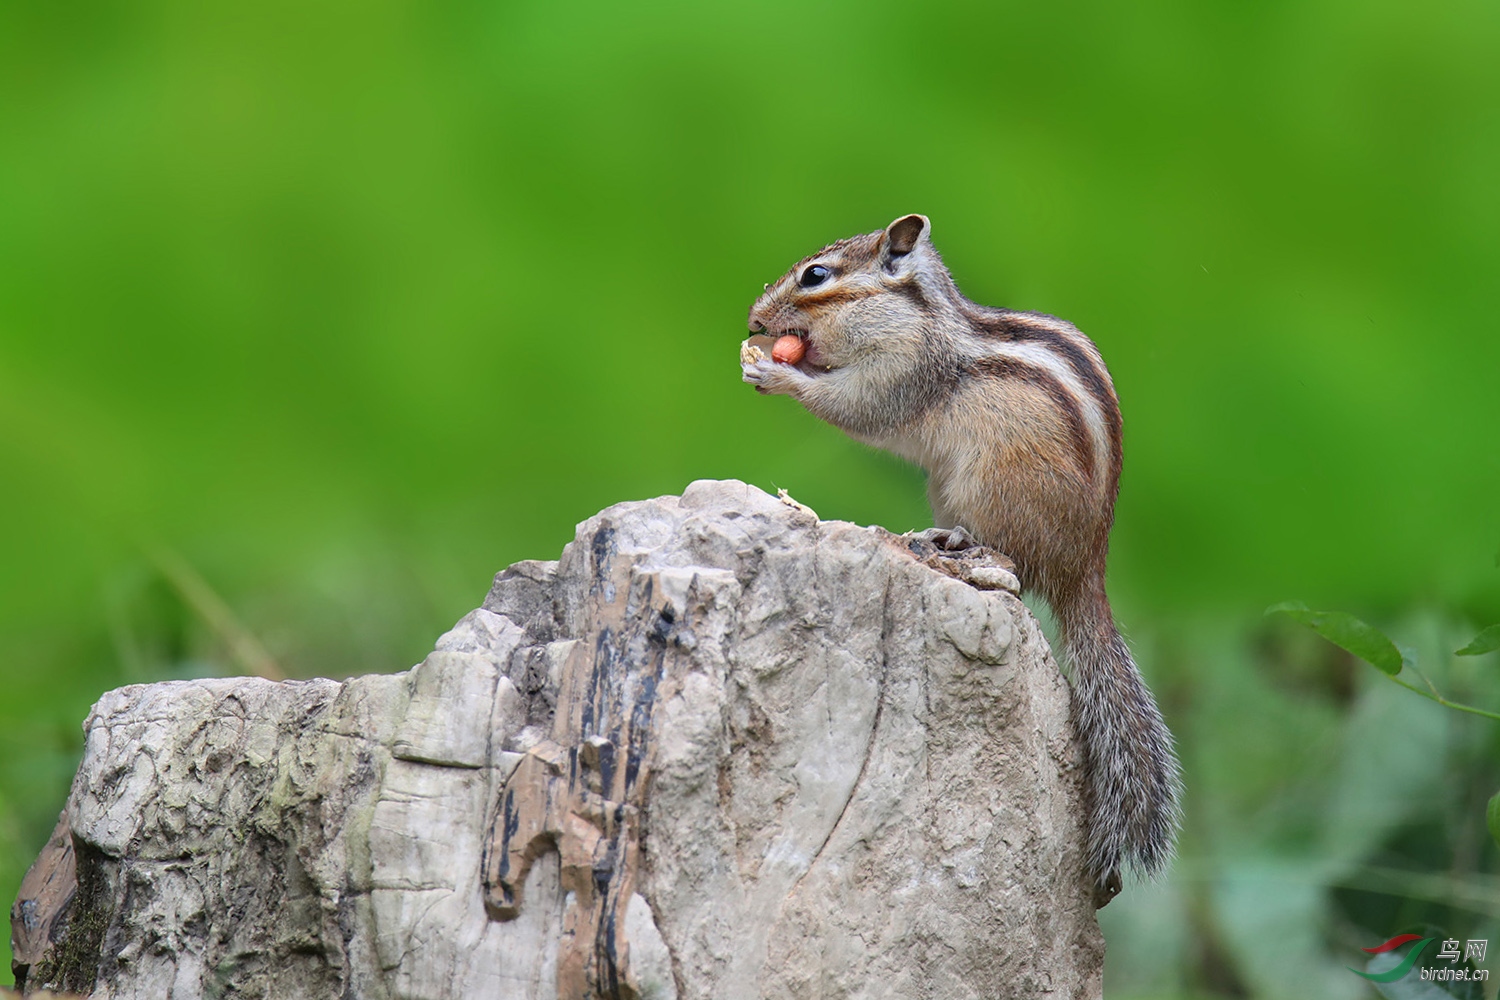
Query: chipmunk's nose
x,y
757,325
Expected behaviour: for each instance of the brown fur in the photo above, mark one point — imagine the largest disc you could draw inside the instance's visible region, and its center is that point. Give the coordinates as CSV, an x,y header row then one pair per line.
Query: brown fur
x,y
1016,421
1059,404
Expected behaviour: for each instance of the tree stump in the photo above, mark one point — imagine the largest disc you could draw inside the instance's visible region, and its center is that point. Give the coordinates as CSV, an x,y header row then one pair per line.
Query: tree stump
x,y
720,749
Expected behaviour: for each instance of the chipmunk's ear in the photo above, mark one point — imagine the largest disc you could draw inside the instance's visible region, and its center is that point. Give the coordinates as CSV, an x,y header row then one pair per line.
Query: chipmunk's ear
x,y
902,237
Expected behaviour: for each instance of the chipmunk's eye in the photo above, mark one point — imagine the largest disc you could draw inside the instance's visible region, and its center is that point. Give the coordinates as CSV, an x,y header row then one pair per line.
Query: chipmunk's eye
x,y
814,275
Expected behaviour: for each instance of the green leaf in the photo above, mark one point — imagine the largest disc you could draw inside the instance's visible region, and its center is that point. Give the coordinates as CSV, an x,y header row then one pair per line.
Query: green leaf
x,y
1484,642
1408,657
1348,633
1492,817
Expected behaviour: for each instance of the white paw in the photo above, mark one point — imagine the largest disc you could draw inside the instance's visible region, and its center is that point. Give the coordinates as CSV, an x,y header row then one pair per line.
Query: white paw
x,y
754,371
767,375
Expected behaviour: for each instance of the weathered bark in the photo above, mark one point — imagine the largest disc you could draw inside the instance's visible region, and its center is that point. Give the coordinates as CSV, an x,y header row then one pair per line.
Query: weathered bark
x,y
720,749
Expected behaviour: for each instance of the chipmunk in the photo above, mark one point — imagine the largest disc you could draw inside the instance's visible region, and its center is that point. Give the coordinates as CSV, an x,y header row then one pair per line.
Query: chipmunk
x,y
1015,419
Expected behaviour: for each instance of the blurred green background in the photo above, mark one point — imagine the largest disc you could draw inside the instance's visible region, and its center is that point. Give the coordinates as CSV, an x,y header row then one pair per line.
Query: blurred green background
x,y
312,317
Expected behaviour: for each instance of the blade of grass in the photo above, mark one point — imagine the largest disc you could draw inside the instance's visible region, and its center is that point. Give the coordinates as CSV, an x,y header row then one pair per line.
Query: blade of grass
x,y
243,646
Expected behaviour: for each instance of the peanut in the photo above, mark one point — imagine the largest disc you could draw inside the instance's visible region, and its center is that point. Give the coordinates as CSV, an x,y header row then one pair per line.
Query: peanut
x,y
788,350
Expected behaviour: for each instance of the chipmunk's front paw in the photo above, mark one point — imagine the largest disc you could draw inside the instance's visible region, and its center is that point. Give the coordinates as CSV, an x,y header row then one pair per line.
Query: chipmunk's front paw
x,y
769,376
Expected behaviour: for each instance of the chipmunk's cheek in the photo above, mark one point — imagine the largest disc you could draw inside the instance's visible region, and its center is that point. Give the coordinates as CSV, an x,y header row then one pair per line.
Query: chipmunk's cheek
x,y
814,361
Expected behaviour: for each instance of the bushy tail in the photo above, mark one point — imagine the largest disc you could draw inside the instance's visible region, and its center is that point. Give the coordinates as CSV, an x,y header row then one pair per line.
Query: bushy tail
x,y
1133,777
